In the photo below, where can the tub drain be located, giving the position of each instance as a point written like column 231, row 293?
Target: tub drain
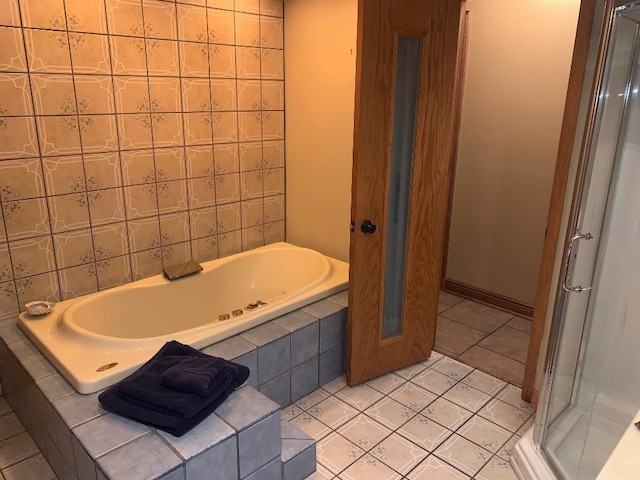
column 108, row 366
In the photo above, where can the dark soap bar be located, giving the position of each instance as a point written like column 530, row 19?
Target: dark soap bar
column 181, row 270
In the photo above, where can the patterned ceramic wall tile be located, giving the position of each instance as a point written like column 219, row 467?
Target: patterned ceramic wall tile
column 124, row 17
column 98, row 133
column 43, row 14
column 14, row 94
column 228, row 217
column 69, row 212
column 102, row 171
column 18, row 137
column 76, row 281
column 174, row 228
column 74, row 248
column 20, row 179
column 9, row 13
column 222, row 61
column 248, row 62
column 134, row 131
column 192, row 23
column 6, row 269
column 119, row 147
column 89, row 53
column 201, row 192
column 252, row 237
column 274, row 232
column 272, row 64
column 145, row 264
column 203, row 222
column 223, row 95
column 203, row 249
column 144, row 234
column 273, row 153
column 59, row 135
column 226, row 158
column 128, row 56
column 273, row 208
column 251, row 184
column 64, row 175
column 251, row 6
column 106, row 206
column 272, row 7
column 225, row 127
column 159, row 19
column 227, row 188
column 32, row 256
column 194, row 59
column 38, row 287
column 221, row 26
column 162, row 57
column 250, row 126
column 26, row 218
column 197, row 128
column 272, row 95
column 251, row 156
column 48, row 51
column 229, row 243
column 140, row 201
column 110, row 240
column 86, row 16
column 138, row 167
column 9, row 306
column 271, row 32
column 94, row 94
column 200, row 161
column 12, row 55
column 273, row 181
column 252, row 213
column 113, row 272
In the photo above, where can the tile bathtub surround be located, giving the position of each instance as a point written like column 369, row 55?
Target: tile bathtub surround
column 135, row 133
column 77, row 436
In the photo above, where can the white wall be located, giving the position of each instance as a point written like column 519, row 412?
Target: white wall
column 517, row 71
column 320, row 59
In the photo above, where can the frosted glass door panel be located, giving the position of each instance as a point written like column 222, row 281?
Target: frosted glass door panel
column 404, row 119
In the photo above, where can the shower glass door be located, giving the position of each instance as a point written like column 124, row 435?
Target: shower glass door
column 593, row 389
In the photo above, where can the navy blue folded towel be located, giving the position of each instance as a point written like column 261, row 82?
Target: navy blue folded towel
column 195, row 375
column 142, row 396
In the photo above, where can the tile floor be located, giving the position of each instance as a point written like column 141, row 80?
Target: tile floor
column 436, row 420
column 491, row 340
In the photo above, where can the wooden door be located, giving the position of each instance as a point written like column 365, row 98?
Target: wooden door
column 397, row 41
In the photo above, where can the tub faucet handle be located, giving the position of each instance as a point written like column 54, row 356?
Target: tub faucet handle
column 181, row 270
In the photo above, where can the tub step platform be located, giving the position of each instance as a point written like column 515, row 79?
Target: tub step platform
column 298, row 453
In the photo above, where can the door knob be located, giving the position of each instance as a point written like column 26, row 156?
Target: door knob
column 367, row 227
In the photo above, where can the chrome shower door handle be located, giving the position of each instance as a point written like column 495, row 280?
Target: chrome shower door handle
column 566, row 280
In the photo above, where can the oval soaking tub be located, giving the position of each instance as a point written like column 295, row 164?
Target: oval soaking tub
column 98, row 339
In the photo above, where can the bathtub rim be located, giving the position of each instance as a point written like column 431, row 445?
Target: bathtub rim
column 64, row 352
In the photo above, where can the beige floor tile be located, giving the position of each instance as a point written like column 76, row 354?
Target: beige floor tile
column 413, row 396
column 364, row 432
column 434, row 381
column 425, row 432
column 484, row 382
column 454, row 337
column 503, row 414
column 386, row 383
column 336, row 452
column 453, row 368
column 390, row 413
column 370, row 468
column 359, row 396
column 519, row 323
column 484, row 433
column 467, row 397
column 480, row 317
column 494, row 364
column 449, row 299
column 399, row 453
column 332, row 412
column 446, row 413
column 509, row 342
column 497, row 469
column 435, row 469
column 463, row 454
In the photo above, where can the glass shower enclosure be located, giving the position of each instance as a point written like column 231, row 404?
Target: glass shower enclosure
column 591, row 391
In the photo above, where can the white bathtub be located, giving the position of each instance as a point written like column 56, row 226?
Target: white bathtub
column 98, row 339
